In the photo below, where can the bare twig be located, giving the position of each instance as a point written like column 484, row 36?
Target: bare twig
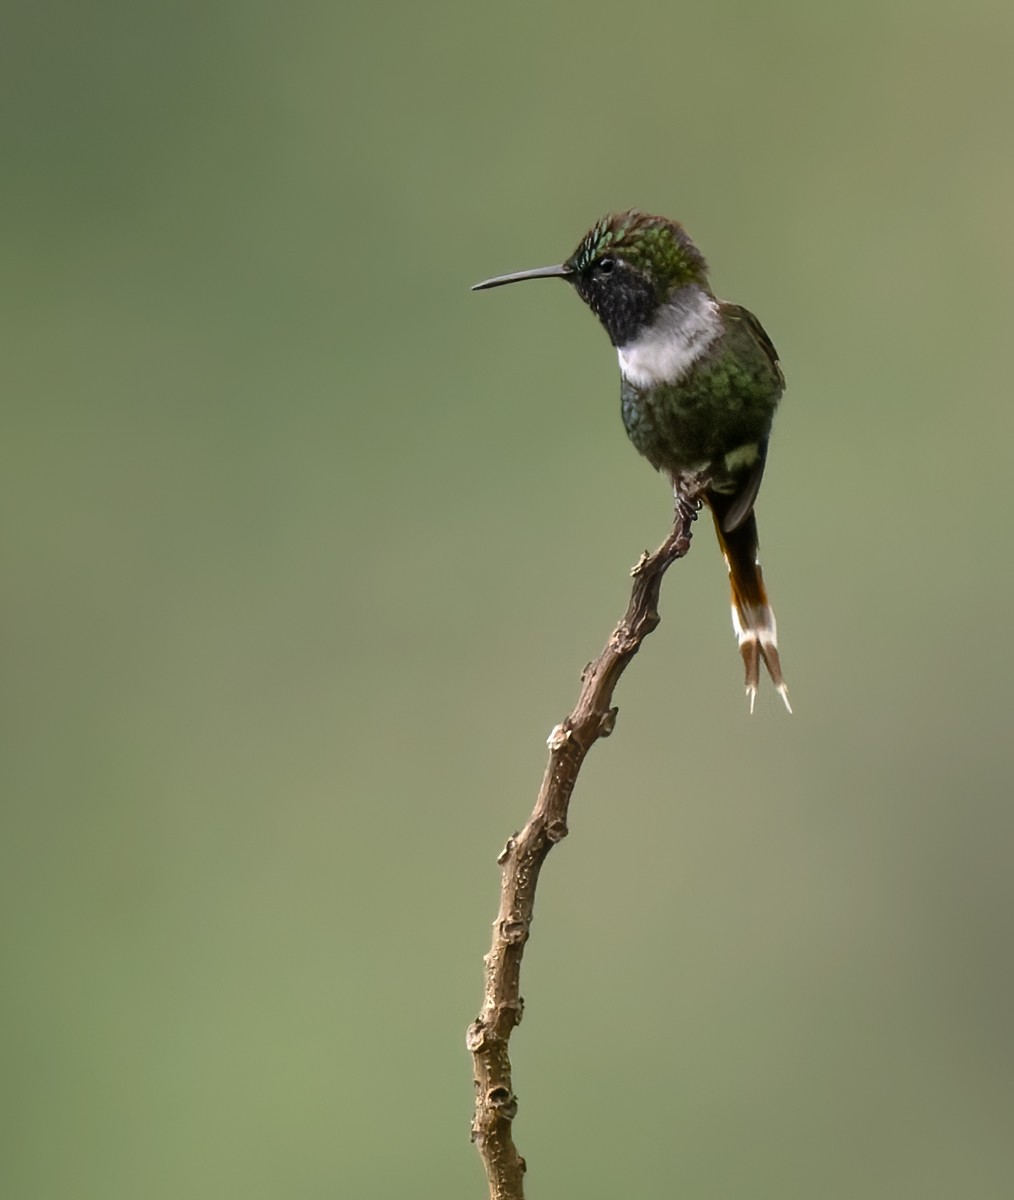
column 523, row 856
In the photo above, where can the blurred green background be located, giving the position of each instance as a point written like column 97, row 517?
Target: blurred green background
column 304, row 547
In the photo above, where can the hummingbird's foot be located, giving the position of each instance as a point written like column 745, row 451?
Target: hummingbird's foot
column 686, row 511
column 677, row 544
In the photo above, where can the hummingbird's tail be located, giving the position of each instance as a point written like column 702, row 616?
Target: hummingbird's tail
column 753, row 619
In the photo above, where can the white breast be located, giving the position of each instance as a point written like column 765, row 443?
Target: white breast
column 665, row 350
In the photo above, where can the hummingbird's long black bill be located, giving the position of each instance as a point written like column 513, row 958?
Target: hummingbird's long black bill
column 560, row 271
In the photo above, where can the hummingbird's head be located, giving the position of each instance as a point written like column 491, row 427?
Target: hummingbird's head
column 626, row 267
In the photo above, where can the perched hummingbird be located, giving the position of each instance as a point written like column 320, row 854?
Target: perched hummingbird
column 700, row 385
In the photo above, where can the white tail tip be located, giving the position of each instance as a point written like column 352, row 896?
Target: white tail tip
column 781, row 689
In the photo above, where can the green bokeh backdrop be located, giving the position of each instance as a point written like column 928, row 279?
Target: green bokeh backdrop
column 304, row 546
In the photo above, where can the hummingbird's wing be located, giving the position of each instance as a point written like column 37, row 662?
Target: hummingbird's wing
column 736, row 312
column 741, row 503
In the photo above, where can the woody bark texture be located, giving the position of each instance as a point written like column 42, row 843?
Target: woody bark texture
column 521, row 860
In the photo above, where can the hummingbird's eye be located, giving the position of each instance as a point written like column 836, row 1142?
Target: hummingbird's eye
column 605, row 265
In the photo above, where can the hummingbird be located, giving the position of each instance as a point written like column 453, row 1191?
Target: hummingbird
column 700, row 382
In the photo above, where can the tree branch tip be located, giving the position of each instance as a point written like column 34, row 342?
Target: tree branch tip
column 593, row 716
